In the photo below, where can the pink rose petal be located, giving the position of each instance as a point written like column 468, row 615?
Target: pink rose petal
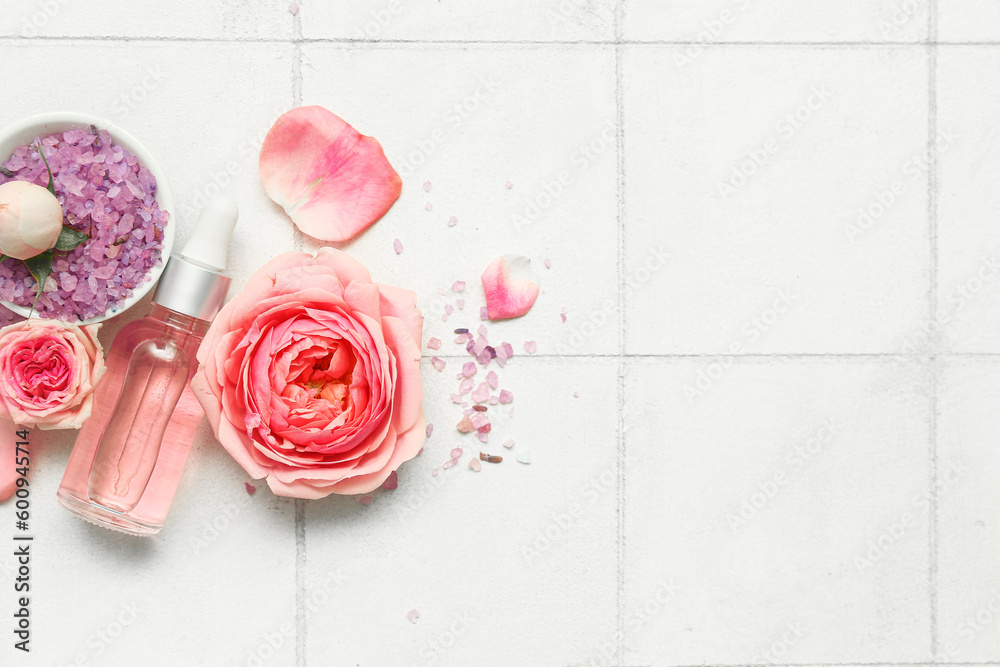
column 331, row 180
column 511, row 288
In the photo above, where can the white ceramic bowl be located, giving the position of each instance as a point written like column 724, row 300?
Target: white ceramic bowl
column 29, row 129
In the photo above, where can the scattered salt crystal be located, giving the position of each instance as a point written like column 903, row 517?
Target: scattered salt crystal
column 457, row 453
column 509, row 185
column 524, row 457
column 455, row 398
column 293, row 8
column 434, row 473
column 482, row 330
column 434, row 344
column 469, row 369
column 482, row 437
column 449, row 309
column 452, row 221
column 429, row 430
column 427, row 186
column 548, row 263
column 492, row 380
column 413, row 615
column 482, row 393
column 449, row 463
column 461, row 338
column 465, row 426
column 484, row 313
column 530, row 346
column 475, row 465
column 576, row 394
column 366, row 500
column 391, row 482
column 506, row 396
column 428, row 206
column 563, row 316
column 458, row 286
column 494, row 400
column 251, row 489
column 508, row 443
column 465, row 386
column 397, row 246
column 438, row 364
column 508, row 350
column 460, row 303
column 479, row 408
column 479, row 420
column 442, row 291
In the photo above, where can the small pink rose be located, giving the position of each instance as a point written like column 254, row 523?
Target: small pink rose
column 311, row 376
column 48, row 371
column 31, row 219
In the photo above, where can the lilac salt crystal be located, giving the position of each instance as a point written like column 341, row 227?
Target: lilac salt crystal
column 413, row 615
column 530, row 346
column 455, row 398
column 438, row 364
column 484, row 313
column 429, row 430
column 548, row 263
column 494, row 400
column 449, row 309
column 458, row 286
column 508, row 350
column 434, row 344
column 506, row 396
column 485, row 357
column 105, row 192
column 428, row 206
column 468, row 369
column 465, row 386
column 452, row 221
column 460, row 303
column 492, row 380
column 397, row 246
column 427, row 186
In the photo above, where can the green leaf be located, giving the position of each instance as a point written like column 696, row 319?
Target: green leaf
column 39, row 266
column 51, row 187
column 3, row 257
column 70, row 238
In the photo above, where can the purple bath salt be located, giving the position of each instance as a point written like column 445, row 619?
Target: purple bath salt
column 106, row 193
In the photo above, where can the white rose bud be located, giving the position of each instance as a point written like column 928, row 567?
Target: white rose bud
column 30, row 219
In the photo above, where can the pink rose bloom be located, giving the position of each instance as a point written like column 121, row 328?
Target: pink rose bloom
column 311, row 376
column 48, row 371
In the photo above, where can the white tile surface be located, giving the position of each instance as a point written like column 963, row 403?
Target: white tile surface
column 969, row 244
column 516, row 20
column 545, row 104
column 706, row 21
column 513, row 565
column 968, row 464
column 640, row 567
column 759, row 502
column 771, row 258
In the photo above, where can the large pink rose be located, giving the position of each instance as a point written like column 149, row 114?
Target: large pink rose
column 48, row 370
column 311, row 376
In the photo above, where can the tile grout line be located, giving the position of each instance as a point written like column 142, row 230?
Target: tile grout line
column 620, row 154
column 932, row 201
column 301, row 626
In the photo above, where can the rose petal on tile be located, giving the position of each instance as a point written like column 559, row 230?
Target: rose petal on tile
column 510, row 286
column 332, row 181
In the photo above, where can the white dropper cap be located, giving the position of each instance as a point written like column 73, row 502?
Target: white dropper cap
column 209, row 245
column 192, row 282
